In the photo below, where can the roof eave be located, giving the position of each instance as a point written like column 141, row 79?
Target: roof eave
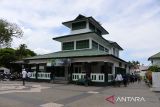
column 91, row 19
column 116, row 44
column 109, row 55
column 56, row 38
column 68, row 23
column 104, row 31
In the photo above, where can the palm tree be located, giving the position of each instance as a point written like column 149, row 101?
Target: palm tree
column 23, row 52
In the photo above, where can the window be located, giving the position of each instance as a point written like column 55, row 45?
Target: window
column 125, row 65
column 120, row 64
column 114, row 51
column 79, row 25
column 101, row 48
column 77, row 69
column 82, row 44
column 94, row 45
column 106, row 50
column 92, row 27
column 68, row 46
column 99, row 32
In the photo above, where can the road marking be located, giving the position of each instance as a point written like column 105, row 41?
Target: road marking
column 4, row 89
column 52, row 105
column 92, row 92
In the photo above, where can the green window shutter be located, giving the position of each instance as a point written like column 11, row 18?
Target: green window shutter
column 92, row 27
column 68, row 46
column 79, row 25
column 94, row 45
column 99, row 32
column 101, row 48
column 106, row 50
column 82, row 44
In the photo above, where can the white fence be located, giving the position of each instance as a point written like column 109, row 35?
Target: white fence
column 33, row 75
column 95, row 77
column 41, row 75
column 77, row 76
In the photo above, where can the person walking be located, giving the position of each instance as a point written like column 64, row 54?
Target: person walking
column 132, row 78
column 24, row 75
column 125, row 80
column 28, row 75
column 119, row 79
column 139, row 78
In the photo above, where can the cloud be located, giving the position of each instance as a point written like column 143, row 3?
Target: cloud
column 133, row 24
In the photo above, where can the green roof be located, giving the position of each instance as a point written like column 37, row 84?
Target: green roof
column 90, row 19
column 155, row 56
column 92, row 32
column 69, row 54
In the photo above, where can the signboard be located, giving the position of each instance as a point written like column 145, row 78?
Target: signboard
column 156, row 80
column 49, row 63
column 59, row 62
column 62, row 62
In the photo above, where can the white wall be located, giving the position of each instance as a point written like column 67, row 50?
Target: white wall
column 80, row 31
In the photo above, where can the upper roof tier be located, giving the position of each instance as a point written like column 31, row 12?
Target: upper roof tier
column 91, row 20
column 156, row 56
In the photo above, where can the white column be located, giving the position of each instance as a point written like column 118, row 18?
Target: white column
column 113, row 69
column 90, row 43
column 74, row 45
column 66, row 72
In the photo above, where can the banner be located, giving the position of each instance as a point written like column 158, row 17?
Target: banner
column 49, row 63
column 59, row 62
column 62, row 62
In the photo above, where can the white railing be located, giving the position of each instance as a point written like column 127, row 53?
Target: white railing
column 77, row 76
column 41, row 75
column 97, row 77
column 110, row 77
column 33, row 75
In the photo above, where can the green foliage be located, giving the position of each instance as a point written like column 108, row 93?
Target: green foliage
column 7, row 32
column 23, row 52
column 134, row 64
column 8, row 55
column 154, row 68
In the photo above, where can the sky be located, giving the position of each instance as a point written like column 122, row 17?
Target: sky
column 133, row 24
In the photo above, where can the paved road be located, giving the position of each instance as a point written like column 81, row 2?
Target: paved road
column 13, row 94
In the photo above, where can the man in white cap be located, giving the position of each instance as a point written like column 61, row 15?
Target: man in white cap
column 24, row 75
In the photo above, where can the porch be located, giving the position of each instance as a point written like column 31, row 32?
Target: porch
column 95, row 77
column 97, row 72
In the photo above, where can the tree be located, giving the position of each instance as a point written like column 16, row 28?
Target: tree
column 23, row 52
column 7, row 55
column 134, row 64
column 154, row 69
column 7, row 32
